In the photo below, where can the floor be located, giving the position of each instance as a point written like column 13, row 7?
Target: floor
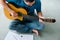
column 50, row 8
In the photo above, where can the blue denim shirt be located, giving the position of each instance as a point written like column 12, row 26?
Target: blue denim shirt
column 36, row 5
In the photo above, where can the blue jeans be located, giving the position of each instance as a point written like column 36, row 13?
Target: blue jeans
column 26, row 26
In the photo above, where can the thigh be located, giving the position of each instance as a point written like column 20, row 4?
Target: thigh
column 35, row 25
column 19, row 27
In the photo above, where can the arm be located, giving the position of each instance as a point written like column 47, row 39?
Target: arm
column 4, row 4
column 39, row 12
column 40, row 15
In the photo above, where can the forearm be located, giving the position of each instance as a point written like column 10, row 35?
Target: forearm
column 40, row 14
column 4, row 4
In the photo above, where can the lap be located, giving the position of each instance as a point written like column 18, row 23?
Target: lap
column 26, row 27
column 35, row 25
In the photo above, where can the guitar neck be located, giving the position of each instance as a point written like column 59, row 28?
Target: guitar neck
column 32, row 18
column 48, row 20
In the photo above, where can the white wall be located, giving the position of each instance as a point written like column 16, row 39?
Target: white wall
column 50, row 8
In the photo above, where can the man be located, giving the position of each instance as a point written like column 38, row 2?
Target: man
column 26, row 26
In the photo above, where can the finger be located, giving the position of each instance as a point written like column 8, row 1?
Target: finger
column 41, row 21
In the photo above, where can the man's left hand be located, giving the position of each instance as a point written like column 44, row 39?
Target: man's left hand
column 40, row 20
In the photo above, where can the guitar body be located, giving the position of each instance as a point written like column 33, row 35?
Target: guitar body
column 21, row 10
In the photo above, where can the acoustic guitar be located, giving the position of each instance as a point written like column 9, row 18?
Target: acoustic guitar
column 22, row 13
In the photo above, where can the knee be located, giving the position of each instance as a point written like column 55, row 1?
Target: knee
column 42, row 26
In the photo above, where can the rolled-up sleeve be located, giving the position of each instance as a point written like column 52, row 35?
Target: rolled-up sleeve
column 38, row 6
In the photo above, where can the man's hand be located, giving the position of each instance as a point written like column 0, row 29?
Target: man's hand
column 13, row 13
column 40, row 20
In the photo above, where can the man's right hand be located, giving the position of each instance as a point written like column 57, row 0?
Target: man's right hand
column 13, row 13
